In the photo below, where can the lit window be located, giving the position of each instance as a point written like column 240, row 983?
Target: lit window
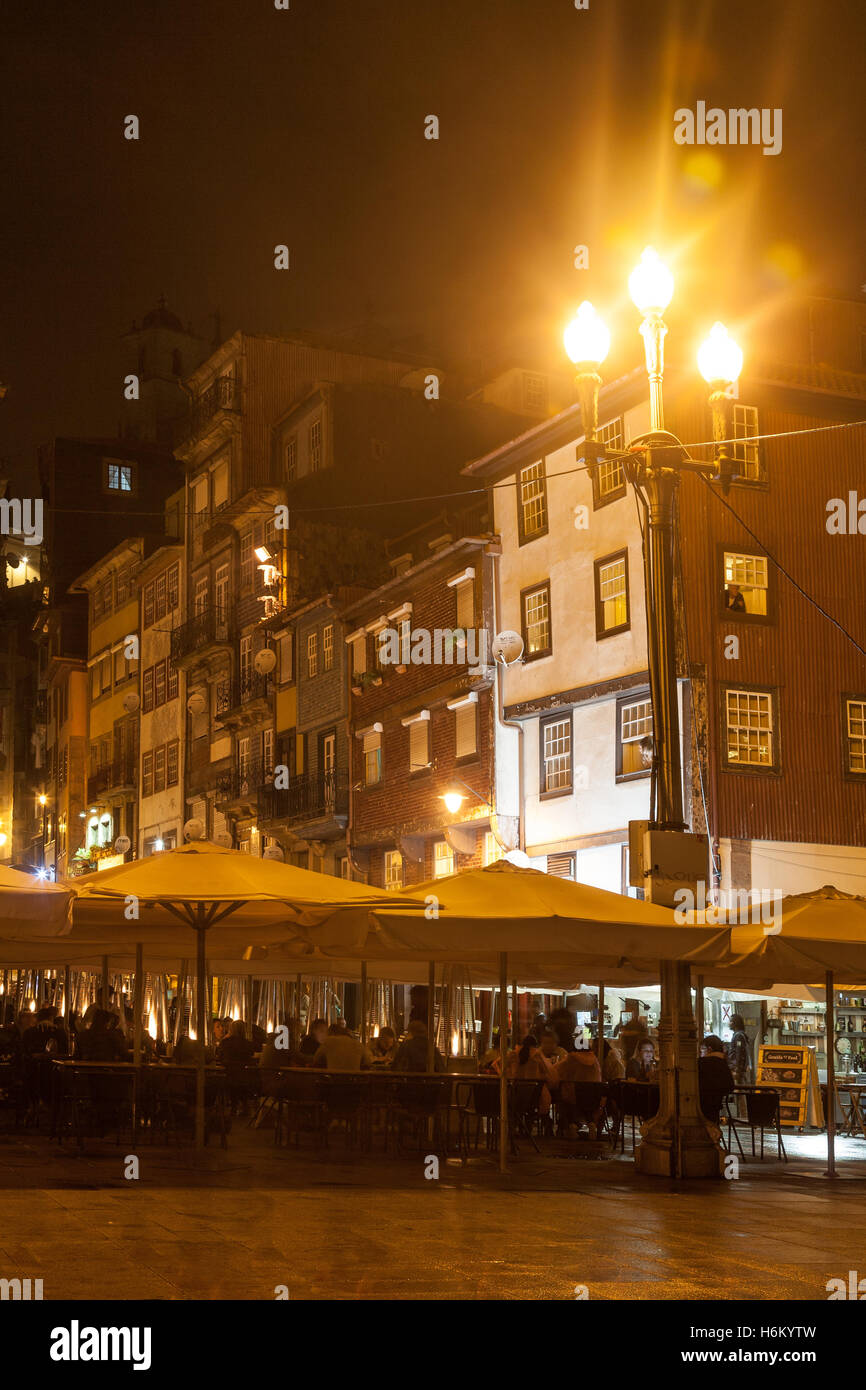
column 393, row 870
column 855, row 713
column 118, row 476
column 536, row 621
column 328, row 646
column 611, row 594
column 372, row 758
column 443, row 859
column 492, row 848
column 610, row 479
column 555, row 755
column 535, row 393
column 635, row 745
column 312, row 654
column 745, row 583
column 419, row 745
column 532, row 510
column 465, row 730
column 147, row 775
column 749, row 728
column 746, row 453
column 465, row 604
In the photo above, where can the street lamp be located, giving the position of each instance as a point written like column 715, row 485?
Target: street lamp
column 677, row 1143
column 43, row 802
column 587, row 342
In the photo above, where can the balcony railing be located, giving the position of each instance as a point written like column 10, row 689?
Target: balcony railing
column 240, row 784
column 310, row 797
column 242, row 690
column 211, row 625
column 123, row 772
column 224, row 394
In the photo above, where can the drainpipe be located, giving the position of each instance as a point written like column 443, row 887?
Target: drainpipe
column 499, row 707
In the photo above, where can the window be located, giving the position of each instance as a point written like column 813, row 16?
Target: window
column 746, row 454
column 286, row 651
column 611, row 594
column 466, row 604
column 268, row 750
column 159, row 769
column 159, row 684
column 201, row 595
column 123, row 586
column 147, row 775
column 359, row 654
column 173, row 587
column 855, row 731
column 555, row 749
column 312, row 654
column 172, row 751
column 745, row 583
column 634, row 742
column 121, row 667
column 328, row 646
column 749, row 729
column 117, row 476
column 465, row 730
column 535, row 393
column 221, row 592
column 291, row 459
column 561, row 865
column 372, row 758
column 443, row 859
column 247, row 559
column 493, row 851
column 160, row 591
column 315, row 446
column 105, row 597
column 532, row 502
column 221, row 485
column 419, row 745
column 393, row 870
column 536, row 622
column 199, row 491
column 609, row 481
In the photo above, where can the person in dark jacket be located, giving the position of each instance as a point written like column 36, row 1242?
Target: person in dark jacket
column 740, row 1052
column 412, row 1052
column 714, row 1077
column 315, row 1037
column 102, row 1041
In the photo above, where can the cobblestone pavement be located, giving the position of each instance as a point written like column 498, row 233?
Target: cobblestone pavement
column 344, row 1226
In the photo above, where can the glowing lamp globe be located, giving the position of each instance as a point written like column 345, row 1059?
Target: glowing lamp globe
column 453, row 802
column 719, row 357
column 587, row 338
column 651, row 284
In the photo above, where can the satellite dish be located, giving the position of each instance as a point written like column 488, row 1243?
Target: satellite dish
column 196, row 704
column 265, row 661
column 274, row 852
column 507, row 647
column 131, row 701
column 122, row 844
column 224, row 840
column 193, row 830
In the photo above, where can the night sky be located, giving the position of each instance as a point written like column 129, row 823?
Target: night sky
column 261, row 126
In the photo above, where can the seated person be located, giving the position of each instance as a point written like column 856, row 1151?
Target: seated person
column 715, row 1078
column 412, row 1053
column 578, row 1066
column 384, row 1048
column 341, row 1052
column 550, row 1046
column 612, row 1066
column 236, row 1050
column 528, row 1063
column 314, row 1038
column 642, row 1065
column 102, row 1041
column 734, row 599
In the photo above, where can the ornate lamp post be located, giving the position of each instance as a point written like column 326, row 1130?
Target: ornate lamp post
column 678, row 1142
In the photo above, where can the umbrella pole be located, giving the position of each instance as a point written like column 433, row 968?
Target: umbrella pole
column 514, row 1015
column 503, row 1080
column 699, row 1007
column 363, row 1001
column 104, row 989
column 137, row 1010
column 201, row 974
column 431, row 1016
column 831, row 1076
column 600, row 1029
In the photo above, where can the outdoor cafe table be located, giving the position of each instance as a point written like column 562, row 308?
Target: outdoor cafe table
column 139, row 1079
column 853, row 1116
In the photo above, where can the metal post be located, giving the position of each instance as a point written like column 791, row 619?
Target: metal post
column 601, row 1026
column 831, row 1075
column 104, row 986
column 137, row 1011
column 503, row 1080
column 363, row 1001
column 699, row 1007
column 515, row 1019
column 201, row 985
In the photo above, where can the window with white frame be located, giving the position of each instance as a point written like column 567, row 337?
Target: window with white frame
column 200, row 595
column 746, row 583
column 328, row 646
column 555, row 756
column 745, row 450
column 465, row 729
column 315, row 446
column 532, row 501
column 611, row 594
column 443, row 859
column 855, row 723
column 535, row 393
column 393, row 870
column 372, row 758
column 536, row 621
column 119, row 477
column 493, row 850
column 221, row 485
column 312, row 654
column 248, row 573
column 465, row 604
column 291, row 459
column 610, row 479
column 749, row 728
column 634, row 737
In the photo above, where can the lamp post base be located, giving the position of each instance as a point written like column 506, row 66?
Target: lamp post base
column 684, row 1150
